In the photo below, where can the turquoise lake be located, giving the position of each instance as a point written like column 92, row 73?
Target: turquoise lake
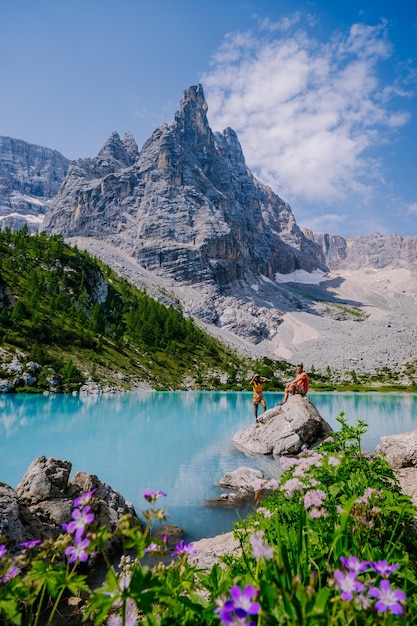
column 178, row 442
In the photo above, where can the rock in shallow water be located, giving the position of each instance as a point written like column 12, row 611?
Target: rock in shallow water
column 284, row 429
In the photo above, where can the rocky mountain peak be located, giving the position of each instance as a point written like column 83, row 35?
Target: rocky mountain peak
column 30, row 176
column 118, row 153
column 374, row 251
column 187, row 207
column 130, row 145
column 192, row 110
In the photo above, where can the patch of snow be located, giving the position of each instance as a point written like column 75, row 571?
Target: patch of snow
column 255, row 287
column 30, row 199
column 266, row 279
column 302, row 276
column 34, row 219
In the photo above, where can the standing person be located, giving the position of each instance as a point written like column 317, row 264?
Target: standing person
column 298, row 385
column 257, row 382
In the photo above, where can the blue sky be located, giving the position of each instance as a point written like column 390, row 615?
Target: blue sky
column 322, row 94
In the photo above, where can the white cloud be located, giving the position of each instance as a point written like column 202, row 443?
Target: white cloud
column 309, row 114
column 411, row 208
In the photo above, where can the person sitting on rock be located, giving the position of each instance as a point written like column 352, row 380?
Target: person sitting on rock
column 298, row 385
column 257, row 382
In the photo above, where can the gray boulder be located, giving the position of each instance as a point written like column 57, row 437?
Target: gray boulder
column 400, row 450
column 11, row 526
column 13, row 368
column 210, row 551
column 241, row 478
column 46, row 479
column 284, row 429
column 43, row 502
column 6, row 386
column 29, row 380
column 401, row 453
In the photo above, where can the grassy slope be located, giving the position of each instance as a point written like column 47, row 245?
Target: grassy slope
column 62, row 308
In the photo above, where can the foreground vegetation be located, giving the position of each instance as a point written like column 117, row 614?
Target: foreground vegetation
column 333, row 543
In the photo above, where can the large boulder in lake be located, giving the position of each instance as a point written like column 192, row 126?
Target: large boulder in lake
column 285, row 429
column 43, row 502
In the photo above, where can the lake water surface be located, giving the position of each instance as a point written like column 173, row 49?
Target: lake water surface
column 179, row 442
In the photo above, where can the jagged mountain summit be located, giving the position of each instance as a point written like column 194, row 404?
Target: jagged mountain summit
column 373, row 251
column 185, row 207
column 186, row 219
column 30, row 177
column 188, row 210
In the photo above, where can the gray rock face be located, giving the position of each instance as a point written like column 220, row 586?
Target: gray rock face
column 284, row 430
column 401, row 453
column 399, row 450
column 241, row 478
column 30, row 176
column 210, row 551
column 10, row 523
column 186, row 206
column 374, row 251
column 43, row 502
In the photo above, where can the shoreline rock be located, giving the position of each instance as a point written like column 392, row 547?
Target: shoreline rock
column 284, row 429
column 43, row 501
column 400, row 451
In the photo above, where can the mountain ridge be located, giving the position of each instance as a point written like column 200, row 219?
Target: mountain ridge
column 30, row 177
column 191, row 216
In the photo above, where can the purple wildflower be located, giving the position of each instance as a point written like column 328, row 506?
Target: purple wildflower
column 333, row 460
column 10, row 574
column 353, row 564
column 292, row 486
column 30, row 544
column 81, row 518
column 243, row 599
column 314, row 497
column 258, row 484
column 235, row 610
column 347, row 583
column 3, row 550
column 383, row 568
column 259, row 549
column 316, row 513
column 78, row 552
column 265, row 512
column 287, row 463
column 84, row 498
column 388, row 599
column 183, row 548
column 272, row 484
column 153, row 547
column 152, row 496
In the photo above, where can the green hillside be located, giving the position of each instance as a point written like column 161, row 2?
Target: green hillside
column 64, row 310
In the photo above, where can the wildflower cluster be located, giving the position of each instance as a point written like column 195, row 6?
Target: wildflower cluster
column 355, row 587
column 330, row 498
column 82, row 517
column 303, row 483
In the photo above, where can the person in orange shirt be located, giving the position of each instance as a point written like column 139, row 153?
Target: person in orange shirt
column 258, row 399
column 298, row 385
